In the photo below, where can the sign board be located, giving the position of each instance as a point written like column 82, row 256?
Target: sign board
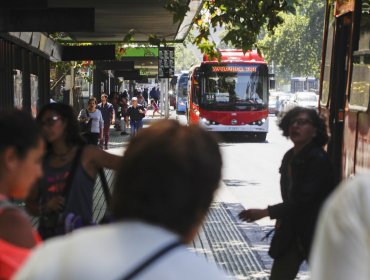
column 236, row 69
column 138, row 52
column 166, row 62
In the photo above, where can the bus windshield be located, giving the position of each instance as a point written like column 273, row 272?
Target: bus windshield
column 234, row 86
column 182, row 85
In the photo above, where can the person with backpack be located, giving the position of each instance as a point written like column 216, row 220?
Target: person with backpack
column 91, row 122
column 154, row 221
column 70, row 169
column 21, row 152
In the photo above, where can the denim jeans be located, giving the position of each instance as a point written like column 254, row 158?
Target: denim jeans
column 135, row 126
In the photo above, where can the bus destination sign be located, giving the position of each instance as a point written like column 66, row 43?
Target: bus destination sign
column 166, row 62
column 244, row 69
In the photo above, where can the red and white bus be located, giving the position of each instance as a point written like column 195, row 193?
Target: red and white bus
column 231, row 95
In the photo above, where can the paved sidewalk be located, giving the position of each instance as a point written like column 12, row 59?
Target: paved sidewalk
column 236, row 247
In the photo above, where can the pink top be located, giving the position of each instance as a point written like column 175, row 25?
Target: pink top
column 11, row 256
column 155, row 106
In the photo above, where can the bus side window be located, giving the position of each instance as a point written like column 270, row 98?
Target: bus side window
column 196, row 87
column 360, row 85
column 196, row 93
column 324, row 99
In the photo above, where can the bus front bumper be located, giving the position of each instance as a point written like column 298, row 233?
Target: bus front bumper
column 236, row 128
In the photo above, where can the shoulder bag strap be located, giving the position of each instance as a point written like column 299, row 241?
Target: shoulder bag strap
column 69, row 180
column 5, row 204
column 156, row 256
column 105, row 187
column 87, row 113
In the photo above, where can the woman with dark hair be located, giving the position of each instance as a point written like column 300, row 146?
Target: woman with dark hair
column 93, row 116
column 154, row 221
column 51, row 198
column 306, row 181
column 21, row 151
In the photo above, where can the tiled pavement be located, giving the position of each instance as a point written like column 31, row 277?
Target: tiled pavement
column 234, row 246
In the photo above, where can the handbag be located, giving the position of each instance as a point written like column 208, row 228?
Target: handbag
column 85, row 126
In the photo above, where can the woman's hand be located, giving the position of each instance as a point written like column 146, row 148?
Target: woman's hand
column 56, row 203
column 252, row 215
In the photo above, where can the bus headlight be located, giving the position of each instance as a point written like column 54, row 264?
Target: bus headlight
column 205, row 121
column 260, row 122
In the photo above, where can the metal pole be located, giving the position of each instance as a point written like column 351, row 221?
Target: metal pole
column 167, row 104
column 109, row 73
column 72, row 86
column 162, row 94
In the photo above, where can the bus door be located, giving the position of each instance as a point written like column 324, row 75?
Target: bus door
column 335, row 79
column 359, row 98
column 194, row 94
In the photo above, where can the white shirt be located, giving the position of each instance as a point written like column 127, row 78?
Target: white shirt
column 111, row 252
column 341, row 249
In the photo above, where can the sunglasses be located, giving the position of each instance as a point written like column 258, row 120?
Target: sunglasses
column 50, row 121
column 300, row 122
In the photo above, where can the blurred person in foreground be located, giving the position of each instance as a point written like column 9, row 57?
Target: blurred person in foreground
column 21, row 152
column 156, row 217
column 49, row 199
column 306, row 181
column 341, row 249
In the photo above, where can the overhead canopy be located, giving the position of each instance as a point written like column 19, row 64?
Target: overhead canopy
column 115, row 18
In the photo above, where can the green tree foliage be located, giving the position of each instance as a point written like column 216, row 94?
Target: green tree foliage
column 184, row 58
column 243, row 20
column 295, row 46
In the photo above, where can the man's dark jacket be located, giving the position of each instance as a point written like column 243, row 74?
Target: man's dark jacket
column 134, row 113
column 311, row 182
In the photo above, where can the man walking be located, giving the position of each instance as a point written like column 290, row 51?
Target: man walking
column 107, row 112
column 136, row 112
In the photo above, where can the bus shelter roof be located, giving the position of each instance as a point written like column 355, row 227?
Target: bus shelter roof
column 115, row 18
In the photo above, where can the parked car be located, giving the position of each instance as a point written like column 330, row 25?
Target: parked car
column 272, row 102
column 277, row 100
column 283, row 99
column 305, row 99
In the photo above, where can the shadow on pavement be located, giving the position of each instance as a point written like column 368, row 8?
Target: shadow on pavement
column 231, row 138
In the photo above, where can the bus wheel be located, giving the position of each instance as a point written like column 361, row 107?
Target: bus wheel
column 261, row 137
